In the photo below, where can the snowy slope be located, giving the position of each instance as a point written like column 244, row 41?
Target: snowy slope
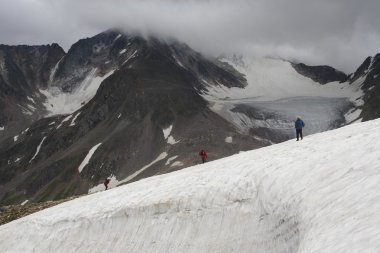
column 59, row 102
column 318, row 195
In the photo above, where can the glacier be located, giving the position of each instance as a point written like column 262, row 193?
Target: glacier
column 276, row 94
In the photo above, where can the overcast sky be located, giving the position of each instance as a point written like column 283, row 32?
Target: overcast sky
column 340, row 33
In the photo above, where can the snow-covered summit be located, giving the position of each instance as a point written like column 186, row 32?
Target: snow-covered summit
column 317, row 195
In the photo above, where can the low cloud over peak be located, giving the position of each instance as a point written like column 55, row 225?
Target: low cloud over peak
column 335, row 32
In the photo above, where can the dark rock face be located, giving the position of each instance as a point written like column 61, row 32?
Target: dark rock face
column 154, row 85
column 361, row 71
column 23, row 71
column 366, row 77
column 320, row 74
column 370, row 71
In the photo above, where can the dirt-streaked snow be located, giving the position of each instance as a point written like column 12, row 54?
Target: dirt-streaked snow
column 317, row 195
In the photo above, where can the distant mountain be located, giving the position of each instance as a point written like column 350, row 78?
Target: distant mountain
column 320, row 74
column 366, row 79
column 369, row 75
column 23, row 71
column 123, row 107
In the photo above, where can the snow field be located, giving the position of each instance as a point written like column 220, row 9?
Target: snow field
column 67, row 103
column 317, row 195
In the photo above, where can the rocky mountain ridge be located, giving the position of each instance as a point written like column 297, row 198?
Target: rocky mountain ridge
column 146, row 88
column 121, row 106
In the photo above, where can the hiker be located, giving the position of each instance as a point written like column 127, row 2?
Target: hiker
column 203, row 155
column 106, row 182
column 299, row 124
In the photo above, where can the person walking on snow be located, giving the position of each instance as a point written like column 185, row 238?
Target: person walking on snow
column 106, row 182
column 203, row 155
column 299, row 124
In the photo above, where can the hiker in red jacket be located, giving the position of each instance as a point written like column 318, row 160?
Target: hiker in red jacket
column 106, row 182
column 203, row 155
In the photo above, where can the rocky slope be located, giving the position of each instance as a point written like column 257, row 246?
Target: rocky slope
column 23, row 71
column 320, row 74
column 145, row 116
column 122, row 106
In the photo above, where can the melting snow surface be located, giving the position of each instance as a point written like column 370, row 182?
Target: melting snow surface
column 88, row 157
column 38, row 149
column 317, row 195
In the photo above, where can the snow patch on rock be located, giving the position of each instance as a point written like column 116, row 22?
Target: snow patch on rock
column 177, row 164
column 59, row 102
column 74, row 119
column 38, row 149
column 167, row 131
column 64, row 120
column 170, row 160
column 115, row 182
column 228, row 139
column 86, row 160
column 24, row 202
column 171, row 140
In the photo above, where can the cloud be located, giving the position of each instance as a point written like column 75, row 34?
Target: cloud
column 335, row 32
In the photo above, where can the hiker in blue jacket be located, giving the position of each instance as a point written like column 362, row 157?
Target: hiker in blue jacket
column 299, row 124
